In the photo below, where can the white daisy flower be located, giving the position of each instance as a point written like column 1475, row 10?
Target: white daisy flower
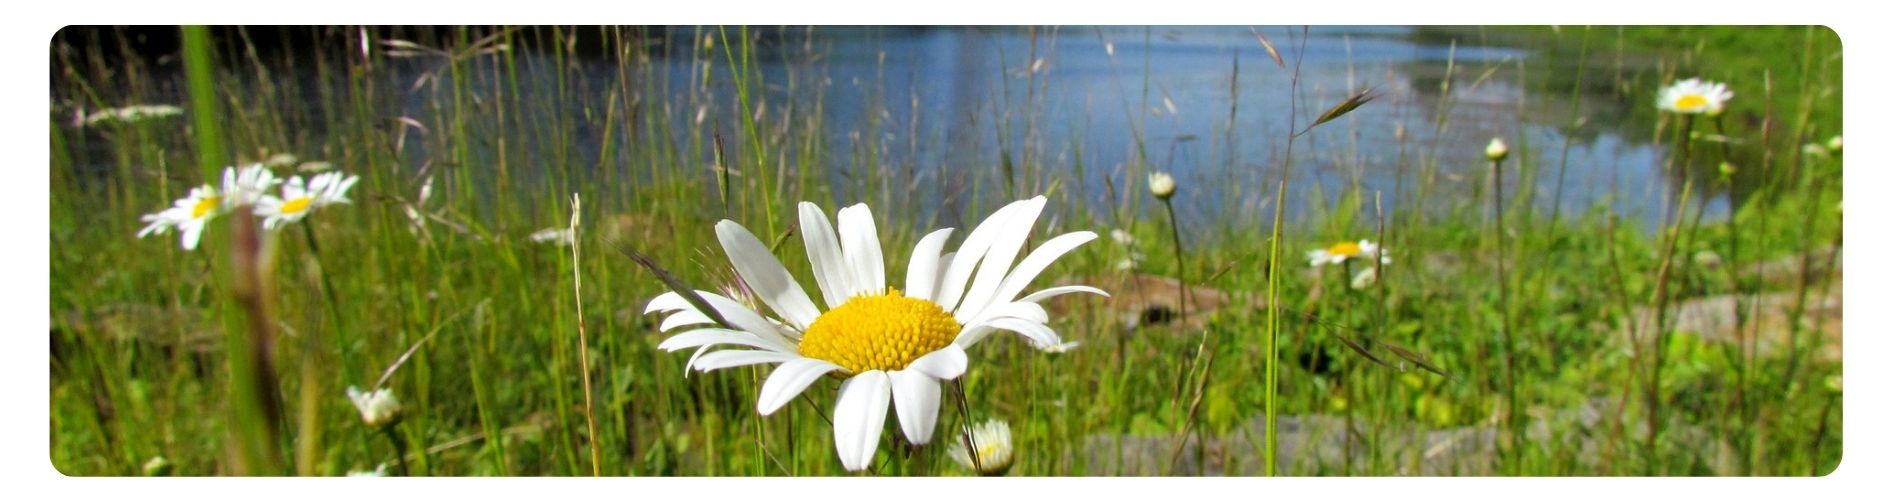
column 298, row 200
column 891, row 344
column 188, row 215
column 128, row 114
column 378, row 407
column 994, row 442
column 1345, row 250
column 246, row 186
column 1694, row 96
column 1122, row 237
column 1059, row 348
column 555, row 235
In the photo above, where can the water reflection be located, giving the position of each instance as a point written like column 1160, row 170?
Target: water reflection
column 955, row 109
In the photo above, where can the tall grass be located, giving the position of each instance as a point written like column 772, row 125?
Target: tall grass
column 504, row 374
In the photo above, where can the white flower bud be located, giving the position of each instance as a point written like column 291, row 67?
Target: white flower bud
column 378, row 407
column 1496, row 151
column 1162, row 185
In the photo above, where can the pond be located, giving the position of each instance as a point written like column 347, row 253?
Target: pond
column 1076, row 106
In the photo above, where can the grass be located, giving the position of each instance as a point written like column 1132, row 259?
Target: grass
column 499, row 375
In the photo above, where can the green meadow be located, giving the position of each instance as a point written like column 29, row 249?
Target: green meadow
column 1669, row 307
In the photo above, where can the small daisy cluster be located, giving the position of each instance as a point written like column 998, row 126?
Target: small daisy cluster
column 125, row 115
column 249, row 186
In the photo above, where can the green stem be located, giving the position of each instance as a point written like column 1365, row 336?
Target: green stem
column 400, row 448
column 1274, row 328
column 1504, row 323
column 331, row 304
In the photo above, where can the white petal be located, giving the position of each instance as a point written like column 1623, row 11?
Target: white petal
column 1058, row 291
column 916, row 402
column 788, row 381
column 192, row 234
column 923, row 267
column 765, row 275
column 1037, row 332
column 687, row 317
column 710, row 336
column 668, row 301
column 723, row 359
column 693, row 358
column 1029, row 311
column 945, row 261
column 945, row 363
column 998, row 261
column 860, row 245
column 824, row 254
column 1036, row 262
column 959, row 270
column 734, row 312
column 859, row 414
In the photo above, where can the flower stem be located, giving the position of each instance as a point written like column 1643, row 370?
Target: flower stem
column 965, row 424
column 400, row 448
column 342, row 338
column 1274, row 328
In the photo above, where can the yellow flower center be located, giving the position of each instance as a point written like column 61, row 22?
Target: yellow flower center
column 987, row 452
column 878, row 332
column 295, row 206
column 204, row 207
column 1344, row 249
column 1691, row 102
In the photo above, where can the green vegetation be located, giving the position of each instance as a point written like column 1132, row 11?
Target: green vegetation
column 482, row 325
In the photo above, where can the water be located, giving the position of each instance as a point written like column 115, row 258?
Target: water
column 1056, row 94
column 1208, row 104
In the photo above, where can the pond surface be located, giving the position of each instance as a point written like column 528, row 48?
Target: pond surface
column 1049, row 98
column 1076, row 106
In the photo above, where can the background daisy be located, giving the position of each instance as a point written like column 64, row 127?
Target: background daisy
column 1694, row 96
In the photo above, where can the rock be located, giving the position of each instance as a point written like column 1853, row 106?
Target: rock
column 1786, row 270
column 1316, row 445
column 1139, row 300
column 1713, row 319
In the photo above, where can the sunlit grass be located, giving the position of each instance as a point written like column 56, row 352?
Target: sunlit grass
column 456, row 265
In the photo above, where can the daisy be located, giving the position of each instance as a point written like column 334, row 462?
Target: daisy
column 555, row 235
column 1694, row 96
column 890, row 344
column 246, row 186
column 1059, row 348
column 298, row 200
column 1345, row 250
column 994, row 442
column 378, row 407
column 188, row 215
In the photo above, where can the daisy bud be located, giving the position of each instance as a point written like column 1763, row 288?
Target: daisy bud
column 1162, row 185
column 378, row 408
column 1366, row 278
column 1833, row 144
column 1726, row 168
column 1496, row 151
column 994, row 442
column 1815, row 150
column 158, row 467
